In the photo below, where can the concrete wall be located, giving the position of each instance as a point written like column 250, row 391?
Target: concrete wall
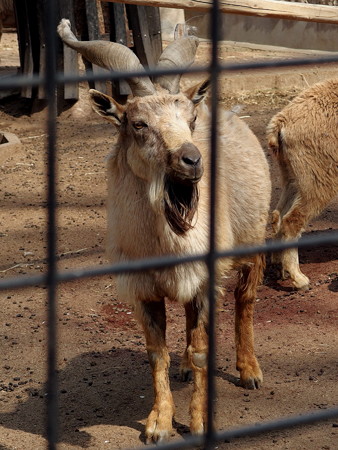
column 260, row 30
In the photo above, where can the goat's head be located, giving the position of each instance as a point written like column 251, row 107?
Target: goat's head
column 156, row 125
column 157, row 134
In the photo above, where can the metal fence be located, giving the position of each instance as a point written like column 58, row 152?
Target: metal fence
column 50, row 80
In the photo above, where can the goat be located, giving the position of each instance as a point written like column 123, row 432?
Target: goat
column 158, row 204
column 304, row 138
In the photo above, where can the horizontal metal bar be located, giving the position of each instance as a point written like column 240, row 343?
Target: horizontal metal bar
column 169, row 261
column 256, row 429
column 20, row 81
column 280, row 424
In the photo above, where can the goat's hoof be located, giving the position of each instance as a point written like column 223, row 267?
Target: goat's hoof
column 186, row 374
column 251, row 378
column 185, row 368
column 158, row 428
column 251, row 383
column 301, row 282
column 197, row 427
column 157, row 437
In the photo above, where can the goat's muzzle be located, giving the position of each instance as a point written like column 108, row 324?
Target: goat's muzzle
column 186, row 164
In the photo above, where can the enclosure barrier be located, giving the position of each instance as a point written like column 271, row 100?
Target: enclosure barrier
column 53, row 277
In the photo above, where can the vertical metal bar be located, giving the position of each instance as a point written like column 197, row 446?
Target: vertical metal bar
column 214, row 26
column 50, row 87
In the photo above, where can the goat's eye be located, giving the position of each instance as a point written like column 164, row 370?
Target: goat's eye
column 139, row 125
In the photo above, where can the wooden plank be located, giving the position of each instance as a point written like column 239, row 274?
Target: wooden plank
column 118, row 33
column 69, row 62
column 139, row 18
column 32, row 24
column 93, row 34
column 264, row 8
column 70, row 65
column 139, row 25
column 25, row 48
column 20, row 14
column 41, row 42
column 154, row 24
column 92, row 20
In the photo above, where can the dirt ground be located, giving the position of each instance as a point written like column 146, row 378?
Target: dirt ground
column 105, row 384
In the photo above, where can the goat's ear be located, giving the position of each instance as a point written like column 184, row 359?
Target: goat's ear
column 197, row 93
column 107, row 107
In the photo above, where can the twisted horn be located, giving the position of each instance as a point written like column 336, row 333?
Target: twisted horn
column 179, row 53
column 109, row 55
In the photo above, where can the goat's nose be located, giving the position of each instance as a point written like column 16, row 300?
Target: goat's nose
column 191, row 160
column 187, row 162
column 190, row 155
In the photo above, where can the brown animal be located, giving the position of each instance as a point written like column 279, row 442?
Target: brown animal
column 304, row 139
column 158, row 204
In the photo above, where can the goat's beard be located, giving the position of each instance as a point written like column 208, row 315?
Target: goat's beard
column 180, row 204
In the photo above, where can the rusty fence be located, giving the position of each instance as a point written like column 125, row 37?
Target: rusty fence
column 52, row 278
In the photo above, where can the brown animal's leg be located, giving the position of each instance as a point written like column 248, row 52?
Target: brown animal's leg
column 185, row 367
column 285, row 201
column 292, row 225
column 275, row 225
column 245, row 294
column 153, row 319
column 197, row 352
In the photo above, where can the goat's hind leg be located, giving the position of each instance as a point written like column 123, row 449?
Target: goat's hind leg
column 292, row 225
column 288, row 220
column 285, row 201
column 153, row 319
column 250, row 277
column 190, row 318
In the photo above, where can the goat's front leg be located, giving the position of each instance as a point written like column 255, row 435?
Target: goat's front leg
column 197, row 356
column 153, row 319
column 245, row 294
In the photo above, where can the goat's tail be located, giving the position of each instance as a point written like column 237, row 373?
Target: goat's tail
column 274, row 134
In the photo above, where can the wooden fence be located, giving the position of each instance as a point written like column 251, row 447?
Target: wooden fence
column 142, row 18
column 262, row 8
column 143, row 22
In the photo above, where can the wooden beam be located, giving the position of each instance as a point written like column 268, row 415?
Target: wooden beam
column 118, row 33
column 92, row 24
column 263, row 8
column 146, row 27
column 68, row 62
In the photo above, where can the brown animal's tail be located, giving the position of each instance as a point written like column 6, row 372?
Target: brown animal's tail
column 274, row 135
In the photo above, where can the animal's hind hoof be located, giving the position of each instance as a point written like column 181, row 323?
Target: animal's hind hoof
column 186, row 374
column 301, row 283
